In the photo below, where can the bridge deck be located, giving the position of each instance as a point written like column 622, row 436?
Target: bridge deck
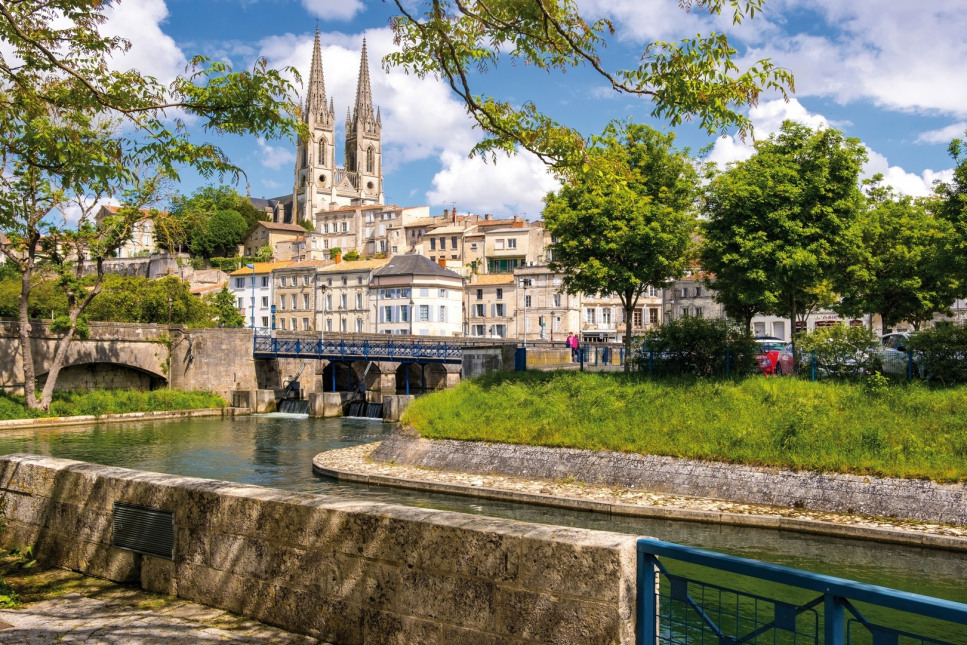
column 362, row 350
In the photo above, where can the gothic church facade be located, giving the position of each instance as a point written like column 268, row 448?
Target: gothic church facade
column 321, row 185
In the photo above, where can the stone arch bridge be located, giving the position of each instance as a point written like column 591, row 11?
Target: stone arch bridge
column 143, row 356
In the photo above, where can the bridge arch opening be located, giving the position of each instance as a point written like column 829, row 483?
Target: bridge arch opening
column 104, row 376
column 338, row 377
column 419, row 378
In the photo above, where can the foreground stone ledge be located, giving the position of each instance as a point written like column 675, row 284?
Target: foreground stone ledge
column 885, row 497
column 345, row 571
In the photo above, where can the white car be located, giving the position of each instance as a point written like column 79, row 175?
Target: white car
column 894, row 355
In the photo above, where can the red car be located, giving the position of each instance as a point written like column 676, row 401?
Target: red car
column 769, row 348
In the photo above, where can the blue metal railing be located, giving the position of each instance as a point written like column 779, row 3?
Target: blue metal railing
column 696, row 611
column 366, row 349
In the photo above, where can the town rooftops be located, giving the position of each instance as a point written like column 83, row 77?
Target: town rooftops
column 355, row 265
column 261, row 267
column 414, row 265
column 307, row 264
column 275, row 226
column 492, row 278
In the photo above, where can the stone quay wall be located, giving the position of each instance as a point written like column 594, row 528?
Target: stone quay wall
column 341, row 570
column 888, row 497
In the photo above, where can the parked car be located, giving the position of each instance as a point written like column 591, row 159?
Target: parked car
column 769, row 348
column 894, row 356
column 784, row 362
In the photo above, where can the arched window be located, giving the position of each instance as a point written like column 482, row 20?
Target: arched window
column 370, row 159
column 322, row 151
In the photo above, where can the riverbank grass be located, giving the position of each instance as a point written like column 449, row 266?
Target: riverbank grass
column 908, row 431
column 101, row 402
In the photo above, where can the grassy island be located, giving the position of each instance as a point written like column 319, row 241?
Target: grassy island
column 101, row 402
column 910, row 431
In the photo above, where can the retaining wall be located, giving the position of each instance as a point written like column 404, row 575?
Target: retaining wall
column 903, row 498
column 341, row 570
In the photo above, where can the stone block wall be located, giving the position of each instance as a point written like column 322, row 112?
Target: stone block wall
column 218, row 360
column 840, row 493
column 340, row 570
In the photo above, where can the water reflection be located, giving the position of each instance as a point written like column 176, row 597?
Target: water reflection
column 277, row 451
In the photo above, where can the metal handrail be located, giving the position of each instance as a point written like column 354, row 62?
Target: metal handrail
column 838, row 594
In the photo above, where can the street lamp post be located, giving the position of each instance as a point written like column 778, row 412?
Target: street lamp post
column 523, row 286
column 252, row 267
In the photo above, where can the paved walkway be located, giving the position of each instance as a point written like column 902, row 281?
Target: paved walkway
column 104, row 613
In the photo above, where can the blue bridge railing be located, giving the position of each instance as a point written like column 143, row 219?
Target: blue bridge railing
column 349, row 350
column 681, row 610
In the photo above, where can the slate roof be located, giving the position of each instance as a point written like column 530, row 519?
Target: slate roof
column 415, row 265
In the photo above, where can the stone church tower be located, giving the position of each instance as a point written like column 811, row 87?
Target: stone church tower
column 320, row 185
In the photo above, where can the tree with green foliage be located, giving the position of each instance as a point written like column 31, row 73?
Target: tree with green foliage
column 901, row 273
column 226, row 312
column 212, row 222
column 352, row 256
column 780, row 227
column 140, row 300
column 952, row 207
column 691, row 79
column 624, row 222
column 75, row 131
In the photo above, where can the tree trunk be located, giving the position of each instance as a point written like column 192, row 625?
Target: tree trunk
column 629, row 311
column 23, row 330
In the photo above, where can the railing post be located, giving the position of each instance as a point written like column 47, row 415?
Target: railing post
column 646, row 629
column 834, row 617
column 812, row 365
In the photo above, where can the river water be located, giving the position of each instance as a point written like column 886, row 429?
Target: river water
column 277, row 451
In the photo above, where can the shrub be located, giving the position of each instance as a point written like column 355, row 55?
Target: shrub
column 840, row 350
column 942, row 353
column 699, row 346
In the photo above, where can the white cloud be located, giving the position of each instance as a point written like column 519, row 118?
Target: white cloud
column 333, row 9
column 943, row 135
column 767, row 118
column 906, row 183
column 898, row 54
column 512, row 185
column 275, row 157
column 152, row 52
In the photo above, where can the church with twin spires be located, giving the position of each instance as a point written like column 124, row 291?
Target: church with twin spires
column 321, row 185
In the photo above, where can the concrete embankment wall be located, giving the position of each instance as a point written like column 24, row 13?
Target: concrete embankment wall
column 341, row 570
column 902, row 498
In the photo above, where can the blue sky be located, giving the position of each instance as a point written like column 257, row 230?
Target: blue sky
column 889, row 72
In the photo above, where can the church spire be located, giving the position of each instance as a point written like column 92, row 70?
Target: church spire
column 364, row 93
column 316, row 102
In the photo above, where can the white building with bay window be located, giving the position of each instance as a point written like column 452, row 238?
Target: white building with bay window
column 417, row 297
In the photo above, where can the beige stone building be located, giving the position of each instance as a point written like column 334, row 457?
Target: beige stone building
column 252, row 287
column 547, row 313
column 491, row 306
column 348, row 304
column 297, row 295
column 141, row 241
column 271, row 234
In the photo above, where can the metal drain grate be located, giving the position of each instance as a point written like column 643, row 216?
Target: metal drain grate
column 150, row 531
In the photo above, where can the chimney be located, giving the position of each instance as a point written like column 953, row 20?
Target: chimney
column 488, row 217
column 446, row 213
column 442, row 262
column 338, row 258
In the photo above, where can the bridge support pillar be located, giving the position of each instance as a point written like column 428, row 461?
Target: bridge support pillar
column 453, row 375
column 387, row 377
